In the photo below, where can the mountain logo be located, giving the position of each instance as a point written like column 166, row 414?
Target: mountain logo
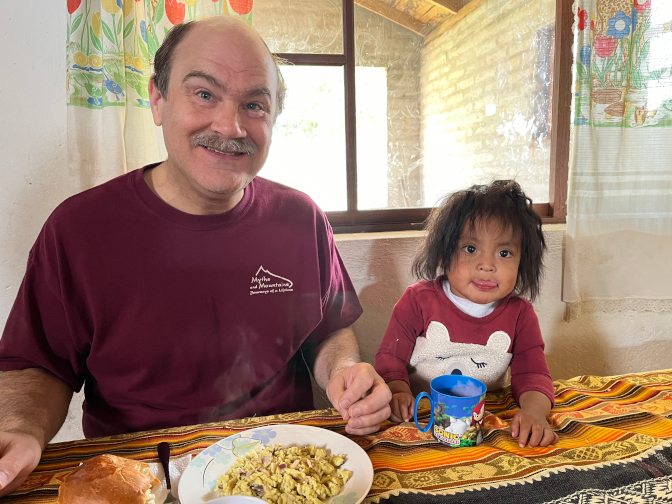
column 265, row 282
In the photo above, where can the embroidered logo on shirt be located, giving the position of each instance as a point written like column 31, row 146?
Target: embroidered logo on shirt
column 265, row 282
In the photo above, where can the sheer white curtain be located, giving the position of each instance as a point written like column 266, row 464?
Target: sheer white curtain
column 619, row 222
column 110, row 51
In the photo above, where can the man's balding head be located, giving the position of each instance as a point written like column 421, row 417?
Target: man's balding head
column 163, row 60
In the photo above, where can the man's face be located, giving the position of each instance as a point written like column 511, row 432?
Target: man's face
column 218, row 114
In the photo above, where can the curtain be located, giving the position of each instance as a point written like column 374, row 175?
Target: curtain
column 110, row 51
column 619, row 211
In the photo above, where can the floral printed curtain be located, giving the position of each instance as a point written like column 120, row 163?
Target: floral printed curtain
column 619, row 222
column 110, row 52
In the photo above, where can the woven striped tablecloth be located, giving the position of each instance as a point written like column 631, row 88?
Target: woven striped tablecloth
column 600, row 421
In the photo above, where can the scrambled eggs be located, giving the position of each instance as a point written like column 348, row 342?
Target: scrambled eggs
column 285, row 475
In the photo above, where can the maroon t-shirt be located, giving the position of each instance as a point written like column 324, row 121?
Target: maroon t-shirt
column 175, row 319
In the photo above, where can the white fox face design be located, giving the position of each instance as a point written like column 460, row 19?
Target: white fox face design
column 435, row 355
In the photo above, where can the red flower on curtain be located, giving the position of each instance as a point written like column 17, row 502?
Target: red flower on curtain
column 73, row 5
column 641, row 5
column 583, row 18
column 242, row 6
column 175, row 11
column 604, row 46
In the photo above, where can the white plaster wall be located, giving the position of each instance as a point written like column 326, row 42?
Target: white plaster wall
column 33, row 158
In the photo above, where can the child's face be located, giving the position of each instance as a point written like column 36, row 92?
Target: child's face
column 485, row 266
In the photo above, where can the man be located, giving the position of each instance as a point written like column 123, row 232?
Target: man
column 188, row 291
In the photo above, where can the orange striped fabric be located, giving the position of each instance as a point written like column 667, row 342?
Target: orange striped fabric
column 598, row 419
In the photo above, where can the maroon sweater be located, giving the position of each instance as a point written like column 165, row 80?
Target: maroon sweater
column 425, row 302
column 174, row 319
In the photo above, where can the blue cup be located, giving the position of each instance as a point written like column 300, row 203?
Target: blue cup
column 458, row 408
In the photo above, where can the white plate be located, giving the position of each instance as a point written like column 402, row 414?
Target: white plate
column 199, row 478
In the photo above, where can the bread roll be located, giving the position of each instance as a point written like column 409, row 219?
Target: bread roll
column 108, row 479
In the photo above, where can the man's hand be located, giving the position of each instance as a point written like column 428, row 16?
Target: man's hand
column 361, row 397
column 402, row 401
column 33, row 405
column 530, row 421
column 353, row 387
column 19, row 455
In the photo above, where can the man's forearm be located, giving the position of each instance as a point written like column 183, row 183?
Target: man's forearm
column 34, row 402
column 338, row 351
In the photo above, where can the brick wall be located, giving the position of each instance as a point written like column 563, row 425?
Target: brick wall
column 482, row 86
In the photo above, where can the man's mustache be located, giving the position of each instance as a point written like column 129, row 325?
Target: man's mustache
column 237, row 145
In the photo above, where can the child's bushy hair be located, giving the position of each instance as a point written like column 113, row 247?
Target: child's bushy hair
column 502, row 200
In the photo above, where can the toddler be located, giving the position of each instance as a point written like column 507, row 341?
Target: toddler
column 486, row 245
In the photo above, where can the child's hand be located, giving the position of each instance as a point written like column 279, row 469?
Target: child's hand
column 530, row 422
column 402, row 401
column 402, row 407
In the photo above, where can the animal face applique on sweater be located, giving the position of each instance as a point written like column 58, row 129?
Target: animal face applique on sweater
column 435, row 355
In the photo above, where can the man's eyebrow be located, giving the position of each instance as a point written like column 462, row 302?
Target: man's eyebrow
column 261, row 90
column 250, row 93
column 200, row 74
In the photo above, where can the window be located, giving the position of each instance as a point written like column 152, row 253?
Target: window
column 312, row 125
column 393, row 104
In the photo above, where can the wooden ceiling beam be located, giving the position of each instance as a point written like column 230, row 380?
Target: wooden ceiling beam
column 452, row 6
column 402, row 19
column 453, row 20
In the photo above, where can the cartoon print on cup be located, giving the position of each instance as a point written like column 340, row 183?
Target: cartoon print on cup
column 458, row 408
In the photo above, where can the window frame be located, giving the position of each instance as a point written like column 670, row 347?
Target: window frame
column 353, row 220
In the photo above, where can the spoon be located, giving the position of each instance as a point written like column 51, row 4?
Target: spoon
column 164, row 456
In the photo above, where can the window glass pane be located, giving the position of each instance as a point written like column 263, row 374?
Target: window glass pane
column 486, row 99
column 468, row 99
column 371, row 99
column 387, row 84
column 301, row 26
column 308, row 149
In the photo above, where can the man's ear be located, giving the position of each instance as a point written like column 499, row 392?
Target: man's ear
column 156, row 101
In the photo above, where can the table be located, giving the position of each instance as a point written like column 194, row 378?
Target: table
column 615, row 438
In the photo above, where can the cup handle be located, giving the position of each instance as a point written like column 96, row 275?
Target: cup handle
column 415, row 411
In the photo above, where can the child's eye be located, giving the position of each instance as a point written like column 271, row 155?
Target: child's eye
column 505, row 253
column 469, row 249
